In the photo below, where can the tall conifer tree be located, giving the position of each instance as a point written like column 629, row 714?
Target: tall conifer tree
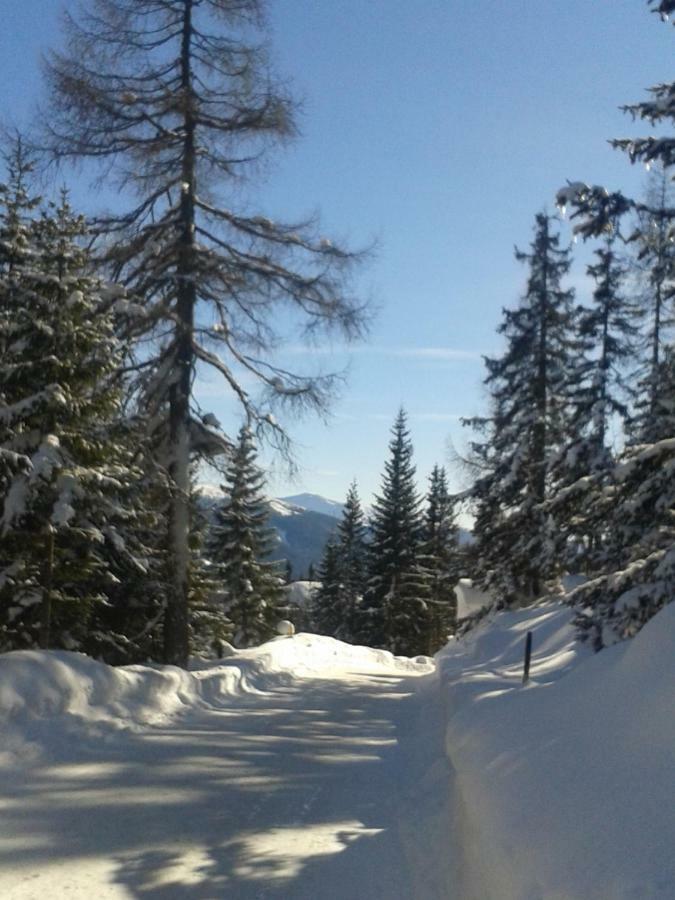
column 328, row 612
column 241, row 541
column 353, row 551
column 654, row 266
column 338, row 601
column 529, row 414
column 598, row 396
column 638, row 575
column 177, row 98
column 440, row 559
column 395, row 609
column 66, row 473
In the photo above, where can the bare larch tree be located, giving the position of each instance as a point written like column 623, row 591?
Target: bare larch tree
column 176, row 98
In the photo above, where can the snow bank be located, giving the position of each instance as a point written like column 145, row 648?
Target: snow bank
column 48, row 697
column 567, row 784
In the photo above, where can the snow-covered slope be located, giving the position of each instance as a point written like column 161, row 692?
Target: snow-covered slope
column 302, row 534
column 316, row 503
column 309, row 768
column 283, row 508
column 567, row 784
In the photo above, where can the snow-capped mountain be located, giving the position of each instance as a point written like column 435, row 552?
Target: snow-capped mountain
column 303, row 522
column 302, row 532
column 315, row 503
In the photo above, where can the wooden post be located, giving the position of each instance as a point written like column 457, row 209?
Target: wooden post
column 528, row 657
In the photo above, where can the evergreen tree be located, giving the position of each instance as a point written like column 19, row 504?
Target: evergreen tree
column 395, row 613
column 598, row 395
column 210, row 625
column 639, row 569
column 240, row 542
column 528, row 423
column 441, row 561
column 337, row 602
column 654, row 265
column 327, row 603
column 65, row 474
column 176, row 97
column 638, row 575
column 353, row 551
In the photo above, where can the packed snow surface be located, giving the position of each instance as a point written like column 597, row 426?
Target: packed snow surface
column 290, row 771
column 312, row 769
column 566, row 785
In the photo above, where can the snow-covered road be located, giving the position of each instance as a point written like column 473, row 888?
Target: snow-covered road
column 330, row 784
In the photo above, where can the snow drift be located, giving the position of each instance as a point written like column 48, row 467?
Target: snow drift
column 567, row 784
column 43, row 693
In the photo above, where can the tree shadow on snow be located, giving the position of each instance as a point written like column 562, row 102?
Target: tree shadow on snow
column 296, row 794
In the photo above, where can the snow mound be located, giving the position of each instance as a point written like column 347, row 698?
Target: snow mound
column 566, row 783
column 52, row 696
column 313, row 655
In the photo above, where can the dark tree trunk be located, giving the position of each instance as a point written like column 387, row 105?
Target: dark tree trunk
column 176, row 629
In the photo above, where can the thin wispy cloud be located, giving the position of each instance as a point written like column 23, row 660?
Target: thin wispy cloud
column 436, row 417
column 433, row 353
column 440, row 354
column 389, row 417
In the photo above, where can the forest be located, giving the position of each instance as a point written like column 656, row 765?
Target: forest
column 106, row 321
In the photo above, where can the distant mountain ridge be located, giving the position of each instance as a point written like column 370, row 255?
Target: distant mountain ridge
column 303, row 523
column 315, row 503
column 302, row 533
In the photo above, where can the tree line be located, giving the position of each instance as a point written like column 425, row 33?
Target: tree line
column 105, row 325
column 176, row 102
column 389, row 582
column 574, row 465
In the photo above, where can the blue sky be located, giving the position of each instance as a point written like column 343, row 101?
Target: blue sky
column 438, row 128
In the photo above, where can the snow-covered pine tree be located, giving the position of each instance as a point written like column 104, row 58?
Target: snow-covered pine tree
column 639, row 570
column 395, row 614
column 527, row 388
column 240, row 542
column 353, row 551
column 328, row 612
column 440, row 559
column 598, row 398
column 128, row 627
column 210, row 625
column 653, row 264
column 639, row 574
column 17, row 208
column 62, row 513
column 177, row 99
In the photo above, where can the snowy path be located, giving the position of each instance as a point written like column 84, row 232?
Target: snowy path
column 321, row 788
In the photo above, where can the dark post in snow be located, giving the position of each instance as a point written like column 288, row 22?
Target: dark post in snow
column 528, row 657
